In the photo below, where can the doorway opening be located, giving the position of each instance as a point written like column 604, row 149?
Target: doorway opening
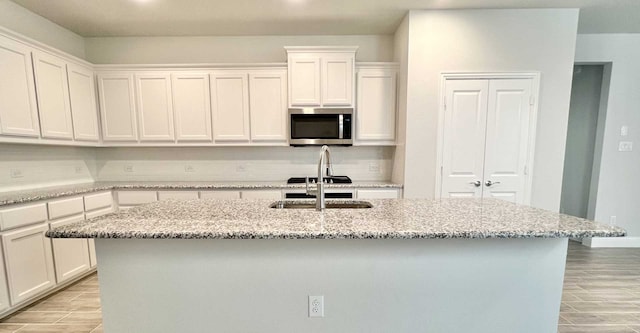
column 587, row 116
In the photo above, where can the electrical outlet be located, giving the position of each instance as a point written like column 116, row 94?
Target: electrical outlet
column 128, row 168
column 316, row 306
column 16, row 173
column 613, row 219
column 374, row 167
column 625, row 146
column 189, row 168
column 624, row 130
column 79, row 169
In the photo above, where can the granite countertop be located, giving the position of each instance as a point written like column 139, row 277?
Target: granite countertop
column 16, row 197
column 389, row 218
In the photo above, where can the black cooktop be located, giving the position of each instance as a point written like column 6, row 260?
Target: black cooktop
column 330, row 180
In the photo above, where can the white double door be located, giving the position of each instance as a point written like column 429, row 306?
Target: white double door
column 486, row 138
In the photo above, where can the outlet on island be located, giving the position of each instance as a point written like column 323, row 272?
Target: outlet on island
column 316, row 306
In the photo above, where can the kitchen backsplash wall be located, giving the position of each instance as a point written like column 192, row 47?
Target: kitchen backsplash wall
column 29, row 166
column 238, row 163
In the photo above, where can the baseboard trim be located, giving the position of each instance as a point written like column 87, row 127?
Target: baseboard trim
column 629, row 242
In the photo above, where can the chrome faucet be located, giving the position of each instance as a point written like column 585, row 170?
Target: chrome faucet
column 323, row 163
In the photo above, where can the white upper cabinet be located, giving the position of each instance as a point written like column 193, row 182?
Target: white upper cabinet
column 321, row 76
column 53, row 96
column 18, row 108
column 117, row 107
column 155, row 107
column 337, row 79
column 268, row 105
column 304, row 80
column 230, row 106
column 191, row 106
column 376, row 106
column 83, row 103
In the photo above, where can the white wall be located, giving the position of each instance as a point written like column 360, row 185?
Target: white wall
column 230, row 49
column 619, row 178
column 20, row 20
column 239, row 163
column 490, row 41
column 42, row 166
column 401, row 54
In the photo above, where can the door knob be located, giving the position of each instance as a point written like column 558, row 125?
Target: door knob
column 489, row 183
column 477, row 183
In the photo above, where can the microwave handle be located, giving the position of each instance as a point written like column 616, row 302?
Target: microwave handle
column 340, row 126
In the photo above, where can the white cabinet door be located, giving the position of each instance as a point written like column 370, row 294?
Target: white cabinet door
column 464, row 138
column 53, row 96
column 507, row 139
column 27, row 254
column 18, row 108
column 117, row 107
column 4, row 291
column 376, row 106
column 486, row 138
column 155, row 107
column 304, row 80
column 191, row 106
column 83, row 103
column 337, row 80
column 268, row 105
column 230, row 107
column 71, row 255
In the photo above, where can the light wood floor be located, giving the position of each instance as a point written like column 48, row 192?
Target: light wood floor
column 601, row 291
column 601, row 295
column 76, row 309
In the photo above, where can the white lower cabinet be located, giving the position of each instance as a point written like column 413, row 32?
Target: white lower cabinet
column 29, row 262
column 71, row 255
column 4, row 292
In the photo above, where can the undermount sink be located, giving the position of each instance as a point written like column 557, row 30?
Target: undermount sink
column 329, row 205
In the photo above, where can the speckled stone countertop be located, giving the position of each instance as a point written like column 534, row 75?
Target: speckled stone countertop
column 389, row 218
column 10, row 198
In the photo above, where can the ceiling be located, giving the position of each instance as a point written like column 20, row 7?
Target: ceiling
column 101, row 18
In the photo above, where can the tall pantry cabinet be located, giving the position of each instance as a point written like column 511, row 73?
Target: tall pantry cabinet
column 487, row 137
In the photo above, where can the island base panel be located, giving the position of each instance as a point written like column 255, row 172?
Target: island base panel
column 385, row 285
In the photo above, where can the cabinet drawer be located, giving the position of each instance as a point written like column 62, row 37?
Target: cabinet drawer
column 97, row 201
column 220, row 194
column 377, row 194
column 163, row 195
column 100, row 212
column 65, row 207
column 132, row 198
column 22, row 215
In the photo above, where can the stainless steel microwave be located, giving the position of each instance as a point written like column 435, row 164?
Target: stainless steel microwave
column 320, row 126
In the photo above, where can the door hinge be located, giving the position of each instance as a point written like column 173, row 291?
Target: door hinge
column 532, row 100
column 526, row 170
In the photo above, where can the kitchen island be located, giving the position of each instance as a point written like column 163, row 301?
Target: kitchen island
column 450, row 265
